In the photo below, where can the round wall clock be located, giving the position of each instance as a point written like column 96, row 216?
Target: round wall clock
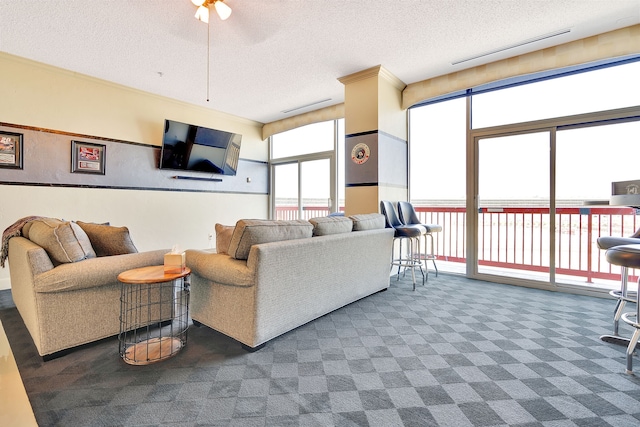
column 360, row 153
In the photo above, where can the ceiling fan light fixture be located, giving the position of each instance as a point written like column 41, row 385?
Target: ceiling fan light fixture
column 202, row 14
column 222, row 9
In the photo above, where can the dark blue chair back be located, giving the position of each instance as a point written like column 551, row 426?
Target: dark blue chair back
column 408, row 215
column 389, row 212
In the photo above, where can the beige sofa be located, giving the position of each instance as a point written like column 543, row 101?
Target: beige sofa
column 278, row 275
column 64, row 280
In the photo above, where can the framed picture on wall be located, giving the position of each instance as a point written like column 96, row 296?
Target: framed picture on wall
column 10, row 150
column 87, row 157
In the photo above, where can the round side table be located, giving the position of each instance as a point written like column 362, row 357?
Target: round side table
column 154, row 314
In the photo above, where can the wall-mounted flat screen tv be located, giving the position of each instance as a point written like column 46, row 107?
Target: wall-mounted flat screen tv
column 195, row 148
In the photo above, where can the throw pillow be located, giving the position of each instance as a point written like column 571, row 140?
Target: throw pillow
column 249, row 232
column 371, row 221
column 223, row 238
column 326, row 225
column 64, row 241
column 108, row 240
column 26, row 228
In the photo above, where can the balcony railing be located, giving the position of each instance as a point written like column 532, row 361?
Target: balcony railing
column 291, row 212
column 518, row 237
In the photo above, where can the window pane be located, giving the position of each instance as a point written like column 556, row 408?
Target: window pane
column 512, row 169
column 513, row 201
column 286, row 191
column 590, row 159
column 308, row 139
column 315, row 190
column 438, row 138
column 437, row 181
column 599, row 90
column 341, row 166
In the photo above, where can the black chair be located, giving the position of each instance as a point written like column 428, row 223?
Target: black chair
column 408, row 233
column 408, row 216
column 622, row 295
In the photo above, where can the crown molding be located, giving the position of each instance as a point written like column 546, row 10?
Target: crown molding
column 377, row 71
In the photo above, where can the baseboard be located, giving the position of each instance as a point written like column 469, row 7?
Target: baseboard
column 5, row 284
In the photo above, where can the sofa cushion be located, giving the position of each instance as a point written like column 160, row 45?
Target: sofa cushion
column 223, row 238
column 64, row 241
column 326, row 225
column 108, row 240
column 249, row 232
column 372, row 221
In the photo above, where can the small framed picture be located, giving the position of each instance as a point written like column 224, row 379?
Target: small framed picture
column 10, row 150
column 87, row 157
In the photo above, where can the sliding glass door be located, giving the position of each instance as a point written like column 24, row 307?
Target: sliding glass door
column 541, row 197
column 513, row 202
column 589, row 159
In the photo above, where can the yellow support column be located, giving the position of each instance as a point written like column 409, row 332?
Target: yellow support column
column 376, row 162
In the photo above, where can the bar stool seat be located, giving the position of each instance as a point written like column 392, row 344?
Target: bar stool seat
column 622, row 295
column 628, row 256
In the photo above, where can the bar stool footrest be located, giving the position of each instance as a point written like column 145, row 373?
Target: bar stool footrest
column 632, row 296
column 631, row 319
column 618, row 340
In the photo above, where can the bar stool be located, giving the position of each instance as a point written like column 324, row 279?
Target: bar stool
column 628, row 256
column 410, row 233
column 622, row 295
column 408, row 216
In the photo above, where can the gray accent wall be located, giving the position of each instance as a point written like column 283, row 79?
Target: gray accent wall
column 386, row 166
column 47, row 161
column 365, row 173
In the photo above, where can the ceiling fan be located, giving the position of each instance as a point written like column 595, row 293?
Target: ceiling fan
column 202, row 14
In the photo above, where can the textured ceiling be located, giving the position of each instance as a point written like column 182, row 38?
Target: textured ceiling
column 275, row 55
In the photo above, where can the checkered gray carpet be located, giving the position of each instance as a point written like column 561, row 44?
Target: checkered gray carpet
column 455, row 352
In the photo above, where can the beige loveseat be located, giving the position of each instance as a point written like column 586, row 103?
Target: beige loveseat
column 277, row 275
column 64, row 280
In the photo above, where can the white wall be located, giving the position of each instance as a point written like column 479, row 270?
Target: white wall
column 45, row 97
